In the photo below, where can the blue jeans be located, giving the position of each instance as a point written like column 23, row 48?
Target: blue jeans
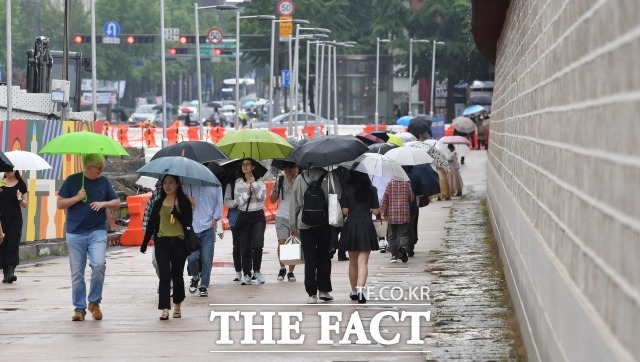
column 204, row 256
column 93, row 244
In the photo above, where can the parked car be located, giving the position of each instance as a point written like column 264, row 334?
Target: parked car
column 144, row 113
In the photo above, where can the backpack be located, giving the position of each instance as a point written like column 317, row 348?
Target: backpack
column 314, row 206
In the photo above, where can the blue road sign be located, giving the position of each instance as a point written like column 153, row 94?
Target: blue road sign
column 111, row 29
column 285, row 78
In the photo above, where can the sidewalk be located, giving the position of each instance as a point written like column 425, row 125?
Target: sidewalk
column 35, row 312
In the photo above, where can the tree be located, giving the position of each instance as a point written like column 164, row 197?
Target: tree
column 457, row 60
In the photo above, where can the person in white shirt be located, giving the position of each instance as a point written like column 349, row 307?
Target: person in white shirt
column 249, row 195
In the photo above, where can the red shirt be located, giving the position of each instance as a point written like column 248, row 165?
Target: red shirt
column 395, row 202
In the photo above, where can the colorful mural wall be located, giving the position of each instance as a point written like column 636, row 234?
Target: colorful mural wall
column 42, row 220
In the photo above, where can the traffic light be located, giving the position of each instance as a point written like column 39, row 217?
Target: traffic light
column 139, row 39
column 80, row 39
column 178, row 51
column 226, row 52
column 217, row 52
column 191, row 39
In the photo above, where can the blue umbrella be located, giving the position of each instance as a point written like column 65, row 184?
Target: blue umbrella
column 404, row 120
column 473, row 110
column 190, row 172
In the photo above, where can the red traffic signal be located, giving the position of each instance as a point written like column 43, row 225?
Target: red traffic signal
column 217, row 51
column 77, row 39
column 131, row 39
column 183, row 39
column 178, row 51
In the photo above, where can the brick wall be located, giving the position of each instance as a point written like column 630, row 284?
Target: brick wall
column 564, row 175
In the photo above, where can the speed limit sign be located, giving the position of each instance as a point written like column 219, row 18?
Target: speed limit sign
column 214, row 35
column 286, row 8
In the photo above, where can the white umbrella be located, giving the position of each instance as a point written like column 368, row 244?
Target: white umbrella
column 147, row 182
column 375, row 164
column 464, row 124
column 439, row 158
column 406, row 137
column 27, row 161
column 409, row 156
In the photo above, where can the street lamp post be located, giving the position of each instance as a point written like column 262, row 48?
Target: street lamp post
column 347, row 44
column 272, row 60
column 165, row 141
column 238, row 17
column 378, row 41
column 411, row 41
column 198, row 71
column 433, row 73
column 294, row 76
column 306, row 86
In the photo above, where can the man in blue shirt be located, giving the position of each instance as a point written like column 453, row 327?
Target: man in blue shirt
column 207, row 211
column 86, row 195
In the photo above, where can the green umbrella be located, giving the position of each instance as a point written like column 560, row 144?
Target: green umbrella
column 82, row 143
column 243, row 115
column 258, row 144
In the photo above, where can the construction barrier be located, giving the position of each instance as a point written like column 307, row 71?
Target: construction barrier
column 149, row 134
column 123, row 136
column 193, row 134
column 281, row 131
column 216, row 133
column 310, row 131
column 134, row 234
column 371, row 128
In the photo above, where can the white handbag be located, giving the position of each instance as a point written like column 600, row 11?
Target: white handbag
column 291, row 252
column 335, row 210
column 381, row 227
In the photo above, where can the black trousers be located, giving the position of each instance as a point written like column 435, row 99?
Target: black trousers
column 171, row 254
column 316, row 243
column 251, row 236
column 237, row 256
column 10, row 247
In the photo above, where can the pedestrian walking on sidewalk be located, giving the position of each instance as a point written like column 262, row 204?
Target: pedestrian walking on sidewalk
column 343, row 174
column 170, row 216
column 308, row 217
column 232, row 216
column 455, row 180
column 359, row 200
column 86, row 196
column 283, row 190
column 395, row 209
column 155, row 195
column 251, row 223
column 206, row 213
column 13, row 198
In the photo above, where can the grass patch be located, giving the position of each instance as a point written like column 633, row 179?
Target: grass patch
column 518, row 350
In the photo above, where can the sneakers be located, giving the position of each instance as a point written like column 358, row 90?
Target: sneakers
column 325, row 296
column 383, row 249
column 404, row 256
column 96, row 313
column 394, row 259
column 78, row 316
column 291, row 277
column 238, row 277
column 246, row 280
column 194, row 285
column 203, row 292
column 282, row 273
column 259, row 277
column 312, row 300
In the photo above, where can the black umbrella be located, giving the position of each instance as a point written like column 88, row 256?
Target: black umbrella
column 327, row 151
column 280, row 163
column 5, row 164
column 424, row 180
column 199, row 151
column 369, row 139
column 383, row 135
column 232, row 168
column 381, row 148
column 419, row 125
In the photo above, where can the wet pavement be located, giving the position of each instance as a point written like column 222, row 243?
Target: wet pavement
column 35, row 312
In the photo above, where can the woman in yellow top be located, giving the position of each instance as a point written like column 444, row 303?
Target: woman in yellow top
column 170, row 215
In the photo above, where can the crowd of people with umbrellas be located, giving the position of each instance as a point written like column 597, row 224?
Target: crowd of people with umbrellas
column 339, row 193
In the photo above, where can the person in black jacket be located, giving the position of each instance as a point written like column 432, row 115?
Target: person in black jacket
column 171, row 214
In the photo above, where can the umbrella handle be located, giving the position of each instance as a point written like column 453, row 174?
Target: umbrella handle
column 82, row 188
